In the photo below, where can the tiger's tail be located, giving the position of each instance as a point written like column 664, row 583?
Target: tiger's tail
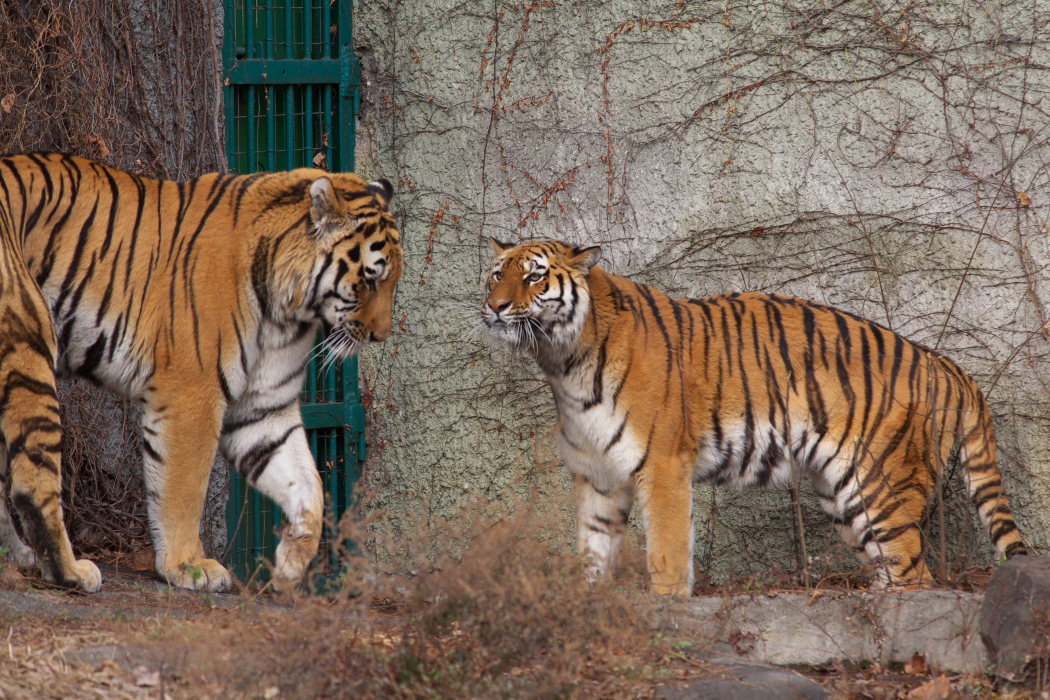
column 977, row 456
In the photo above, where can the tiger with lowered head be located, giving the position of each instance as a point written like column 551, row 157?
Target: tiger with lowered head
column 654, row 394
column 199, row 299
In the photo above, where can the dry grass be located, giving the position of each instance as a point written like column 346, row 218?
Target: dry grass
column 507, row 619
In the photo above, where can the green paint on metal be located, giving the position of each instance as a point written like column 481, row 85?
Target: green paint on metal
column 292, row 92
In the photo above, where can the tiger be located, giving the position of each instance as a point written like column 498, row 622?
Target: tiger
column 201, row 300
column 743, row 389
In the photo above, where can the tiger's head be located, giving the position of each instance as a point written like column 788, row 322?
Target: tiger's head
column 537, row 293
column 345, row 273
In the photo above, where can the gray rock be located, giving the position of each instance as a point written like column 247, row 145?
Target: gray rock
column 738, row 680
column 1015, row 616
column 789, row 628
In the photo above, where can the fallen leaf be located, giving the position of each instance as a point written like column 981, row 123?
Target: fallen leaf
column 937, row 689
column 142, row 561
column 1022, row 198
column 8, row 102
column 917, row 666
column 11, row 578
column 99, row 143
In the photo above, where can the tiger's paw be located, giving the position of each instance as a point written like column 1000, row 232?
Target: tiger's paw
column 679, row 588
column 199, row 575
column 297, row 549
column 20, row 555
column 290, row 568
column 83, row 574
column 89, row 578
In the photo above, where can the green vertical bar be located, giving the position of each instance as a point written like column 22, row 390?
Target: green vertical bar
column 229, row 38
column 250, row 153
column 289, row 126
column 308, row 21
column 308, row 123
column 289, row 32
column 345, row 114
column 336, row 505
column 268, row 32
column 326, row 24
column 249, row 29
column 271, row 131
column 333, row 164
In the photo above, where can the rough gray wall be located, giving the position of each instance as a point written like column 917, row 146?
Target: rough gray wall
column 887, row 158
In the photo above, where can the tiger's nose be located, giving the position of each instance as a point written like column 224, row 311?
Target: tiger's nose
column 499, row 306
column 378, row 336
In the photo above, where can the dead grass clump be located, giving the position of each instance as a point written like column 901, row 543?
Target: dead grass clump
column 508, row 619
column 504, row 620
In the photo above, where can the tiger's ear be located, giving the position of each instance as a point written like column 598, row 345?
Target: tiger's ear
column 499, row 247
column 382, row 189
column 583, row 259
column 322, row 203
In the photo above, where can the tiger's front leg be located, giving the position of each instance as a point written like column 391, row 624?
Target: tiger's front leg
column 180, row 433
column 601, row 524
column 271, row 452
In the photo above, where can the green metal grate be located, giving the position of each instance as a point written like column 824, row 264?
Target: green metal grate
column 291, row 93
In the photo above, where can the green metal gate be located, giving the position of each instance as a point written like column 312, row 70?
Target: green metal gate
column 291, row 90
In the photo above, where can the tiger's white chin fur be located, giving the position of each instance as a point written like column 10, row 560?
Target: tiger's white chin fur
column 539, row 335
column 519, row 333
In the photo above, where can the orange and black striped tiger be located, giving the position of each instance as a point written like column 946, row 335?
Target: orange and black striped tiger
column 654, row 394
column 199, row 299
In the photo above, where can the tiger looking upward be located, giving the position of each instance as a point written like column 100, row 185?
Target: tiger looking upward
column 655, row 393
column 199, row 299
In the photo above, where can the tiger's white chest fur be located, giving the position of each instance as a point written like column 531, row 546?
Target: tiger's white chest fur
column 596, row 439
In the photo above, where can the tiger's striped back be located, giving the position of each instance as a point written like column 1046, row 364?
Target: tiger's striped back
column 741, row 389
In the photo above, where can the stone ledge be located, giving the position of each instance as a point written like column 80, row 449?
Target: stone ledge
column 813, row 628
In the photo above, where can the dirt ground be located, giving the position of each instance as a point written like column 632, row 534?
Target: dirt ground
column 461, row 632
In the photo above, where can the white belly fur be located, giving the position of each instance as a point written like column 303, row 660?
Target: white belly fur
column 739, row 475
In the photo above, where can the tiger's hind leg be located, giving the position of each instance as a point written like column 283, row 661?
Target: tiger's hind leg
column 15, row 549
column 31, row 429
column 877, row 509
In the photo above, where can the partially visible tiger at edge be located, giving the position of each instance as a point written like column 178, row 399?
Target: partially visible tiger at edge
column 201, row 300
column 654, row 394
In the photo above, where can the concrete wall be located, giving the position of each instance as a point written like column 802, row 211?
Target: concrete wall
column 892, row 162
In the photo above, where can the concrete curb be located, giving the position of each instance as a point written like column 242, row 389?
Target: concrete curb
column 814, row 628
